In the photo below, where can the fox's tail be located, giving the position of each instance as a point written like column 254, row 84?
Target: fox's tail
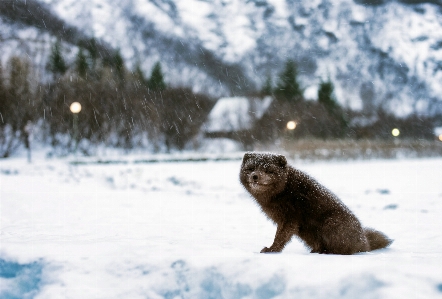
column 376, row 239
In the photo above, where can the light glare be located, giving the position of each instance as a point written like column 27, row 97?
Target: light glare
column 395, row 132
column 75, row 107
column 291, row 125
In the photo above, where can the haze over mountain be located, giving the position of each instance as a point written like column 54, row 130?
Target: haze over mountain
column 376, row 52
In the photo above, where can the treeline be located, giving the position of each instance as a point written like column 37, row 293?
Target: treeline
column 120, row 108
column 325, row 118
column 126, row 109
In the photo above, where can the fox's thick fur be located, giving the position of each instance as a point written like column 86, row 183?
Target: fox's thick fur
column 302, row 207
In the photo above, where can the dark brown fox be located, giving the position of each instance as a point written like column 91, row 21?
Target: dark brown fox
column 300, row 206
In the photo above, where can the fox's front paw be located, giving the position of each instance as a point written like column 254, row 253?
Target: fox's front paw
column 265, row 249
column 271, row 249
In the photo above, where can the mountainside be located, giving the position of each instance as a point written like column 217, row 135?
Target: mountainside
column 28, row 29
column 377, row 52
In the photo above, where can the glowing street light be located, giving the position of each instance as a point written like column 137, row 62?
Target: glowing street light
column 438, row 133
column 75, row 109
column 291, row 125
column 395, row 132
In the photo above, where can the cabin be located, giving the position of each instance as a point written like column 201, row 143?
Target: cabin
column 235, row 118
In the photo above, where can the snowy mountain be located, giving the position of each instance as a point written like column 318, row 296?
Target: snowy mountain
column 377, row 52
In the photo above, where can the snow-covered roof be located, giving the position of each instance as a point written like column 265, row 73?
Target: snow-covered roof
column 311, row 92
column 236, row 113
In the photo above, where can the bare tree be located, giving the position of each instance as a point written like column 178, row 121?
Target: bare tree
column 19, row 104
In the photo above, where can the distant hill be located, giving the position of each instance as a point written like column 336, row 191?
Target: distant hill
column 378, row 53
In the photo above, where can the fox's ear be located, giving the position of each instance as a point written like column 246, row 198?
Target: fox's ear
column 247, row 156
column 281, row 160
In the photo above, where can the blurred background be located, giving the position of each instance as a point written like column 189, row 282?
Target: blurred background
column 317, row 79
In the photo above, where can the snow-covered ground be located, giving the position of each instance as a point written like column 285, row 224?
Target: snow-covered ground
column 189, row 230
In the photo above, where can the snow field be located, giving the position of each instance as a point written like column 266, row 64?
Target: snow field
column 189, row 230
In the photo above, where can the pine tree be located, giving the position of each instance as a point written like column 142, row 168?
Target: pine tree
column 92, row 48
column 288, row 87
column 57, row 64
column 118, row 63
column 156, row 81
column 92, row 56
column 81, row 63
column 327, row 99
column 267, row 89
column 326, row 96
